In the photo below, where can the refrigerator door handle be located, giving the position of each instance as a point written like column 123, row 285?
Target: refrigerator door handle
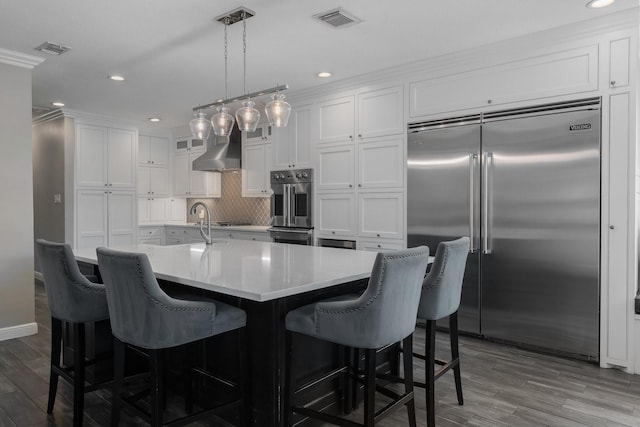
column 472, row 166
column 487, row 164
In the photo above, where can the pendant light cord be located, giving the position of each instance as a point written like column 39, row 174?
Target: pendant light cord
column 244, row 49
column 226, row 90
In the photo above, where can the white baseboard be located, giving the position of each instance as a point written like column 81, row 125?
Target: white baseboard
column 18, row 331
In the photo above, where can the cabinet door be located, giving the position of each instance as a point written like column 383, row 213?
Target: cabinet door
column 158, row 210
column 158, row 181
column 336, row 215
column 336, row 119
column 182, row 164
column 253, row 171
column 143, row 209
column 122, row 218
column 292, row 145
column 143, row 150
column 143, row 183
column 381, row 215
column 158, row 151
column 335, row 169
column 381, row 163
column 177, row 210
column 182, row 144
column 381, row 112
column 121, row 170
column 619, row 63
column 91, row 156
column 91, row 218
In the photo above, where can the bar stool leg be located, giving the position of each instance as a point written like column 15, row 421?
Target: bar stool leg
column 156, row 366
column 369, row 387
column 429, row 369
column 455, row 355
column 242, row 377
column 56, row 347
column 118, row 379
column 407, row 358
column 78, row 373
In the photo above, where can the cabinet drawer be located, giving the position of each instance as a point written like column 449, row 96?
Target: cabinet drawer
column 379, row 245
column 147, row 232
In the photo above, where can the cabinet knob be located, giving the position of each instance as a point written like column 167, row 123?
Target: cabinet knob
column 350, row 186
column 613, row 83
column 379, row 246
column 359, row 135
column 489, row 101
column 359, row 185
column 350, row 136
column 378, row 235
column 611, row 227
column 333, row 232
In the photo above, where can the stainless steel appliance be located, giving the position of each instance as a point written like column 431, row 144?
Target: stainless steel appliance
column 524, row 185
column 291, row 206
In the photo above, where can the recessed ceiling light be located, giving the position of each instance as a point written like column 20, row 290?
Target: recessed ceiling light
column 324, row 74
column 595, row 4
column 154, row 119
column 57, row 104
column 116, row 78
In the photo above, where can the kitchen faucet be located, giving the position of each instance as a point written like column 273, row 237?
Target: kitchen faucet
column 193, row 211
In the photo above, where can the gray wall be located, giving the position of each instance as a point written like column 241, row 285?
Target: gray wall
column 48, row 180
column 16, row 193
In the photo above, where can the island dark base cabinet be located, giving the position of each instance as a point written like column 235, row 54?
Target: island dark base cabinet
column 265, row 352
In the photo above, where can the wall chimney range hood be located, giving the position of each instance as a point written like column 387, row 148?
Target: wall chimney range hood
column 223, row 153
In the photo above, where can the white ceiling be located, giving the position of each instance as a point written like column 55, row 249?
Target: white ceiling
column 171, row 51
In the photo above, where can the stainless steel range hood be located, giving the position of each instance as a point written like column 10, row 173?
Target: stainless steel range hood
column 223, row 153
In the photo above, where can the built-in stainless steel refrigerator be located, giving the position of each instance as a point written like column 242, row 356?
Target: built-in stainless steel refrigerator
column 525, row 186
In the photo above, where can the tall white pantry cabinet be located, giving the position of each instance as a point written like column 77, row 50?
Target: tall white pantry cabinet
column 105, row 160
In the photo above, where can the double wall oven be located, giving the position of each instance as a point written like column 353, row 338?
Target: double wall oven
column 291, row 206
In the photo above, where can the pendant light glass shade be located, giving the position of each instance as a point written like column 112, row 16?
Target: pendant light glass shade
column 278, row 111
column 222, row 122
column 247, row 116
column 200, row 126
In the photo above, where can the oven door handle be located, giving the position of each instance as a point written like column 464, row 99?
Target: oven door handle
column 291, row 215
column 285, row 198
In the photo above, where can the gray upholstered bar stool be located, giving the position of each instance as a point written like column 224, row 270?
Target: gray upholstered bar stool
column 144, row 316
column 384, row 314
column 75, row 300
column 440, row 298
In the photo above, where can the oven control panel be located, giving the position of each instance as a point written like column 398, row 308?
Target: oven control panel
column 291, row 176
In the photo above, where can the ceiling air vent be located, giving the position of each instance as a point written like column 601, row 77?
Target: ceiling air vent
column 338, row 18
column 52, row 48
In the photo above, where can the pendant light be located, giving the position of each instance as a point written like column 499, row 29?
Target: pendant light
column 200, row 126
column 278, row 111
column 247, row 116
column 222, row 121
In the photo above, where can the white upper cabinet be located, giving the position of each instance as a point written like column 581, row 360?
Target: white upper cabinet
column 381, row 163
column 561, row 73
column 105, row 157
column 153, row 151
column 619, row 62
column 153, row 181
column 191, row 183
column 105, row 218
column 335, row 167
column 336, row 119
column 368, row 113
column 263, row 133
column 381, row 112
column 187, row 143
column 292, row 145
column 256, row 165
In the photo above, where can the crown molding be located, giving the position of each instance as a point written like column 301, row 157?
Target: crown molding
column 18, row 59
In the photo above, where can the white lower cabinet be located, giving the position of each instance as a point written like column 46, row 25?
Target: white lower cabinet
column 151, row 235
column 245, row 235
column 180, row 235
column 153, row 181
column 335, row 215
column 190, row 183
column 177, row 210
column 379, row 245
column 105, row 218
column 381, row 215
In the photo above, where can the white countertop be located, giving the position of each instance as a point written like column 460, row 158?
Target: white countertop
column 258, row 271
column 249, row 228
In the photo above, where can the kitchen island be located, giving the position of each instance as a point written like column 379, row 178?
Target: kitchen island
column 267, row 280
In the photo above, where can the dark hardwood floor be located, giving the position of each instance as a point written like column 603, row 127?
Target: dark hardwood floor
column 503, row 386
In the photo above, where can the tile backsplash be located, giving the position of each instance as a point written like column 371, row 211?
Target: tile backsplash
column 231, row 206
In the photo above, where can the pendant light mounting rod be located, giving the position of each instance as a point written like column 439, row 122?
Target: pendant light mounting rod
column 242, row 97
column 236, row 15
